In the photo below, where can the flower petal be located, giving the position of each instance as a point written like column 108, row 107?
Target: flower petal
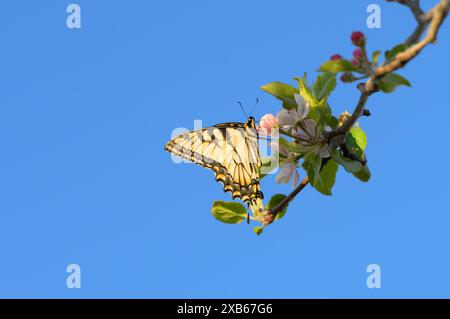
column 262, row 131
column 296, row 178
column 268, row 122
column 286, row 174
column 300, row 134
column 286, row 118
column 302, row 107
column 310, row 127
column 276, row 148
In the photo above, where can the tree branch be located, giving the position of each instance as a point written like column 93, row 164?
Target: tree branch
column 433, row 20
column 421, row 18
column 414, row 5
column 281, row 205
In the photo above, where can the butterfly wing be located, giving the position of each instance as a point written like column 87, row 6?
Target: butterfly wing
column 230, row 150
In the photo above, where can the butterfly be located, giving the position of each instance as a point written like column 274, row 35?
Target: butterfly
column 230, row 150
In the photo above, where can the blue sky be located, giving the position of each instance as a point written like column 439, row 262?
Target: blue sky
column 84, row 115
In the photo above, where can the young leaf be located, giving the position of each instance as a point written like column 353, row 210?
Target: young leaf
column 349, row 165
column 258, row 230
column 363, row 174
column 305, row 91
column 356, row 141
column 277, row 198
column 356, row 168
column 296, row 147
column 283, row 92
column 392, row 53
column 390, row 81
column 336, row 66
column 376, row 57
column 333, row 122
column 327, row 177
column 321, row 179
column 320, row 112
column 229, row 212
column 324, row 85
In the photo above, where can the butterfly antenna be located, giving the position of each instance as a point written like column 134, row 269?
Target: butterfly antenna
column 242, row 108
column 254, row 106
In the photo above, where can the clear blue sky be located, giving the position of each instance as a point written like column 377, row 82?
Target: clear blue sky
column 84, row 115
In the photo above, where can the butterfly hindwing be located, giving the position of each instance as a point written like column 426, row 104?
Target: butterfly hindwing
column 230, row 150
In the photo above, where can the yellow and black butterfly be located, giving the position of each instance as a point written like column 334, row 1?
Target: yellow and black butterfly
column 230, row 150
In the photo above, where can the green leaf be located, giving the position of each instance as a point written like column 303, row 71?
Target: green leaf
column 305, row 91
column 327, row 177
column 296, row 147
column 258, row 230
column 392, row 53
column 363, row 174
column 333, row 122
column 356, row 141
column 376, row 57
column 358, row 170
column 290, row 146
column 283, row 92
column 320, row 112
column 390, row 81
column 321, row 179
column 348, row 164
column 229, row 212
column 335, row 66
column 274, row 201
column 324, row 85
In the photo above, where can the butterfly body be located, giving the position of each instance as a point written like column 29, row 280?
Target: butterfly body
column 230, row 150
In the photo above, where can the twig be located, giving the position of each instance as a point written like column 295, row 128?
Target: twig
column 280, row 206
column 358, row 112
column 421, row 18
column 433, row 19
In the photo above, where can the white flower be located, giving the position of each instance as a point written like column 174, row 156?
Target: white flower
column 302, row 107
column 308, row 132
column 288, row 118
column 287, row 172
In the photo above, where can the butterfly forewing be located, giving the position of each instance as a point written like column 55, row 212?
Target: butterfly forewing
column 230, row 150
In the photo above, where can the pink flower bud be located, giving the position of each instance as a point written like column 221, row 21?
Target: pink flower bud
column 336, row 57
column 268, row 122
column 358, row 38
column 355, row 62
column 357, row 54
column 268, row 219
